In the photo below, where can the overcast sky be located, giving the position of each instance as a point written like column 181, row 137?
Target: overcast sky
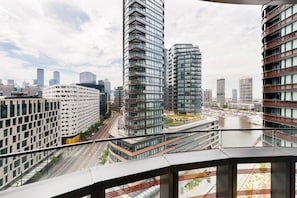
column 77, row 36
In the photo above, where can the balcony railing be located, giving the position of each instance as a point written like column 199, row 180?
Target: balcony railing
column 221, row 172
column 273, row 88
column 280, row 25
column 280, row 103
column 278, row 72
column 274, row 12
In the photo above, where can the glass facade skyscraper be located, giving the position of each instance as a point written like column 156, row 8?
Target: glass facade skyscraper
column 143, row 70
column 184, row 78
column 40, row 77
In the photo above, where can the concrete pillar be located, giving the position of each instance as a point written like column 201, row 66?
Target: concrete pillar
column 169, row 185
column 98, row 191
column 227, row 181
column 283, row 179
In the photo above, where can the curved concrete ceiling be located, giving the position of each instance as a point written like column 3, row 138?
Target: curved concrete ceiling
column 256, row 2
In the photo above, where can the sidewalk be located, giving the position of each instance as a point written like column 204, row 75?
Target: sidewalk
column 39, row 167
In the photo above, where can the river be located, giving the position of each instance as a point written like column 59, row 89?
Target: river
column 238, row 138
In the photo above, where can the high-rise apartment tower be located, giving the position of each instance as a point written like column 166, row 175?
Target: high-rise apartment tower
column 143, row 66
column 280, row 72
column 184, row 78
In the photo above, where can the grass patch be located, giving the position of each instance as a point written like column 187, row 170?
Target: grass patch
column 180, row 119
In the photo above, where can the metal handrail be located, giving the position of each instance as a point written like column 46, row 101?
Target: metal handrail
column 134, row 137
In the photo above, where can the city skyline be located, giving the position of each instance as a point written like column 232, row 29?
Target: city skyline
column 91, row 41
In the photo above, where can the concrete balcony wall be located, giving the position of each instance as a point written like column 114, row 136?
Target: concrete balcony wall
column 96, row 180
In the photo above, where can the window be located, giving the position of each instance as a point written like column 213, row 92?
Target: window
column 24, row 108
column 11, row 109
column 7, row 123
column 3, row 111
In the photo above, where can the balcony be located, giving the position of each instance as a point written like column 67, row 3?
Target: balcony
column 218, row 172
column 137, row 46
column 274, row 58
column 280, row 103
column 137, row 37
column 278, row 88
column 279, row 25
column 280, row 41
column 278, row 72
column 137, row 28
column 274, row 12
column 136, row 10
column 133, row 19
column 278, row 118
column 95, row 181
column 137, row 56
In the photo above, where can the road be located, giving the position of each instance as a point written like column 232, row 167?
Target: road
column 82, row 157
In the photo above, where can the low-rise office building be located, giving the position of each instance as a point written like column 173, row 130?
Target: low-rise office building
column 79, row 109
column 139, row 148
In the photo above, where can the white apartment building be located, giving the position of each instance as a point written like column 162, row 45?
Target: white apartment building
column 246, row 90
column 26, row 123
column 79, row 109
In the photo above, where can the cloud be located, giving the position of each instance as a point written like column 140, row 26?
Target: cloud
column 68, row 14
column 87, row 36
column 229, row 37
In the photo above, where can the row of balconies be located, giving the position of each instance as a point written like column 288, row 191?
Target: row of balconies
column 275, row 12
column 280, row 25
column 278, row 57
column 280, row 41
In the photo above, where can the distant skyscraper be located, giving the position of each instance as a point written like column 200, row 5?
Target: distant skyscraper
column 40, row 77
column 119, row 96
column 57, row 77
column 52, row 82
column 100, row 82
column 221, row 91
column 184, row 80
column 234, row 95
column 87, row 78
column 107, row 86
column 206, row 96
column 10, row 82
column 246, row 90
